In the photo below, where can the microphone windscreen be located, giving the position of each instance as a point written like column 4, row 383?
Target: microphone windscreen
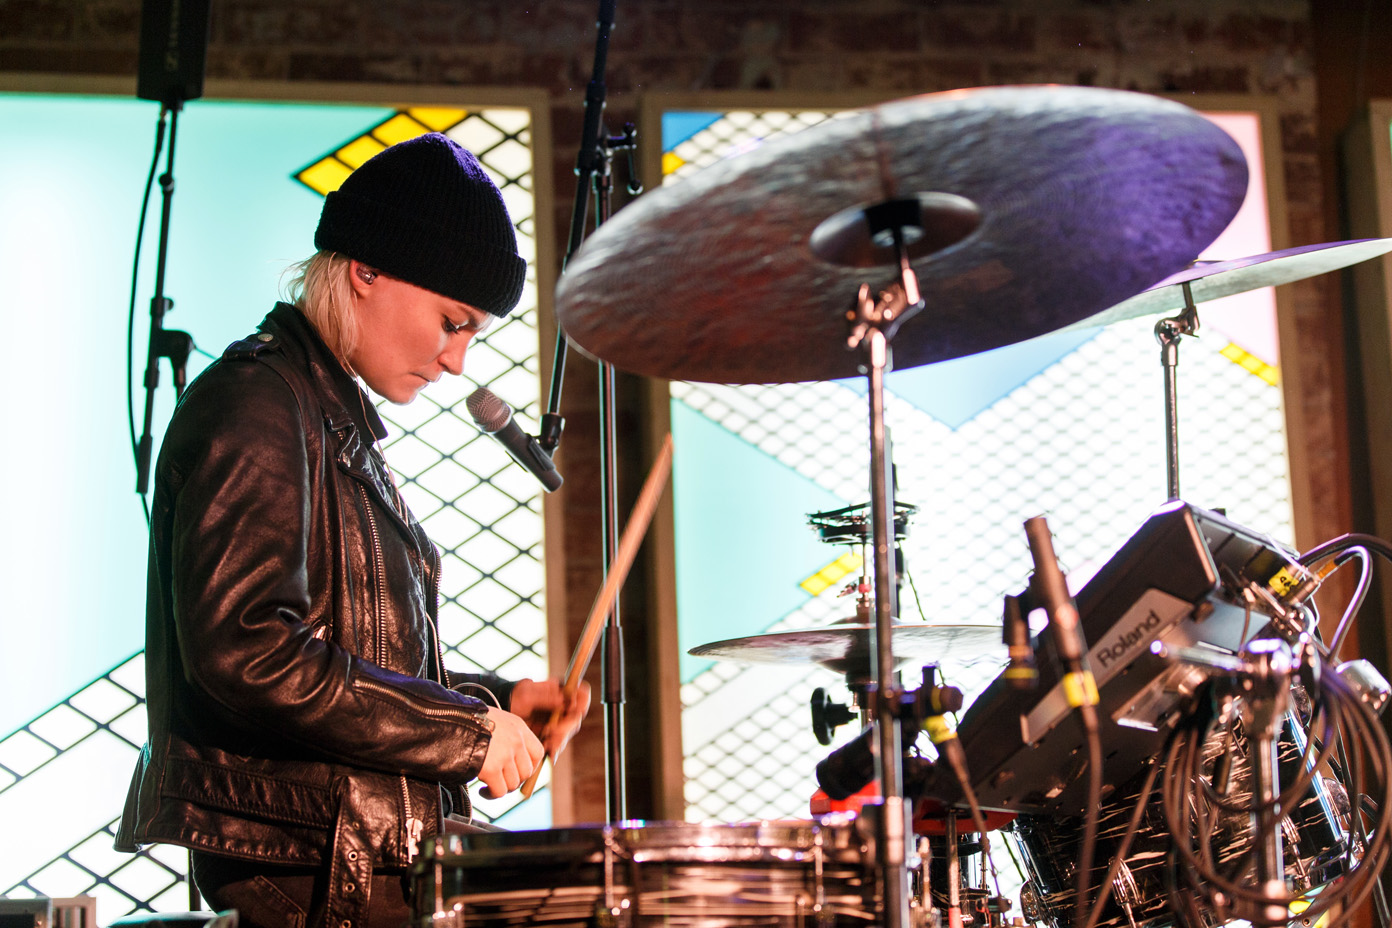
column 489, row 412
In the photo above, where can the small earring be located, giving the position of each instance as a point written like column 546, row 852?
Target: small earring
column 366, row 276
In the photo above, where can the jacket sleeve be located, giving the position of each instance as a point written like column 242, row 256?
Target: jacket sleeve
column 237, row 471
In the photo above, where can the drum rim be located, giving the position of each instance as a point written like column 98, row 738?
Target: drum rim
column 652, row 840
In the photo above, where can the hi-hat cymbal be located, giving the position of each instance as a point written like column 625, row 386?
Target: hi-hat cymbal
column 847, row 648
column 1211, row 280
column 1061, row 201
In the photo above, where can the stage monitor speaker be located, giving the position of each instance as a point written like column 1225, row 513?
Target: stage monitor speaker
column 173, row 50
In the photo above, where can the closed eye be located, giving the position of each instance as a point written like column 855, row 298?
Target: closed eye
column 475, row 321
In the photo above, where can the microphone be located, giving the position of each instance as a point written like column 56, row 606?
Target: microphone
column 494, row 416
column 1021, row 674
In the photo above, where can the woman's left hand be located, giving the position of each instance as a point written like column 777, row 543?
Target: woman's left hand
column 535, row 702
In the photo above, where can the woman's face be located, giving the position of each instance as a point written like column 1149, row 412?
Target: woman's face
column 408, row 336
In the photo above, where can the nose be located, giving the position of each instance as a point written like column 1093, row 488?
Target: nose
column 452, row 358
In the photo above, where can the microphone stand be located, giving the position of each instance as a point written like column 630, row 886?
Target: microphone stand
column 163, row 343
column 593, row 169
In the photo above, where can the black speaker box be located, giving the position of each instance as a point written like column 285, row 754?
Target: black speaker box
column 173, row 50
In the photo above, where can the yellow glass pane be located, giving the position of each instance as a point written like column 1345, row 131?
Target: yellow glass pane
column 438, row 118
column 359, row 150
column 325, row 175
column 670, row 163
column 832, row 573
column 1251, row 363
column 398, row 129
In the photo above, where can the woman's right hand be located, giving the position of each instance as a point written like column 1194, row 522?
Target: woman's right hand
column 513, row 753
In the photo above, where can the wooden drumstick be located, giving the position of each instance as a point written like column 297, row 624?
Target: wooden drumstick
column 629, row 541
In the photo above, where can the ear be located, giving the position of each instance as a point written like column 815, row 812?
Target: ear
column 360, row 276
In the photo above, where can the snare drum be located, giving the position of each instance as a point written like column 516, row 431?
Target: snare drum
column 811, row 874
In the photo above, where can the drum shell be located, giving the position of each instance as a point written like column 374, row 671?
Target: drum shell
column 648, row 873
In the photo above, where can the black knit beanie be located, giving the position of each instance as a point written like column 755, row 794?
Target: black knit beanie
column 424, row 210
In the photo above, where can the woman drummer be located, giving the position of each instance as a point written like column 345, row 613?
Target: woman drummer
column 304, row 733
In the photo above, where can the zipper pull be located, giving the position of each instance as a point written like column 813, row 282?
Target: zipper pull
column 414, row 828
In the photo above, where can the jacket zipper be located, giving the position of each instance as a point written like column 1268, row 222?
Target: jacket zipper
column 435, row 617
column 412, row 827
column 380, row 561
column 445, row 712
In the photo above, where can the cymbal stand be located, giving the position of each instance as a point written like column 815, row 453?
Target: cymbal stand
column 1168, row 333
column 873, row 322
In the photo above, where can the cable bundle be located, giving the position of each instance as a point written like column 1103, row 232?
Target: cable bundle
column 1219, row 833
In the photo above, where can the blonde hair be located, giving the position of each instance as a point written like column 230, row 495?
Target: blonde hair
column 321, row 289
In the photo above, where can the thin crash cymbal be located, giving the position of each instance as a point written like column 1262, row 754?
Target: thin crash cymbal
column 1211, row 280
column 847, row 649
column 1042, row 206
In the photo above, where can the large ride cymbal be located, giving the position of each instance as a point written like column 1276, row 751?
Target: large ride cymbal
column 1212, row 280
column 848, row 648
column 1083, row 197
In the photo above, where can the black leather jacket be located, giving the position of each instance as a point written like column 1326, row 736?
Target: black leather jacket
column 299, row 709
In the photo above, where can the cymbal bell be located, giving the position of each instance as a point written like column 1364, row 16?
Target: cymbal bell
column 847, row 648
column 857, row 237
column 1212, row 280
column 1043, row 206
